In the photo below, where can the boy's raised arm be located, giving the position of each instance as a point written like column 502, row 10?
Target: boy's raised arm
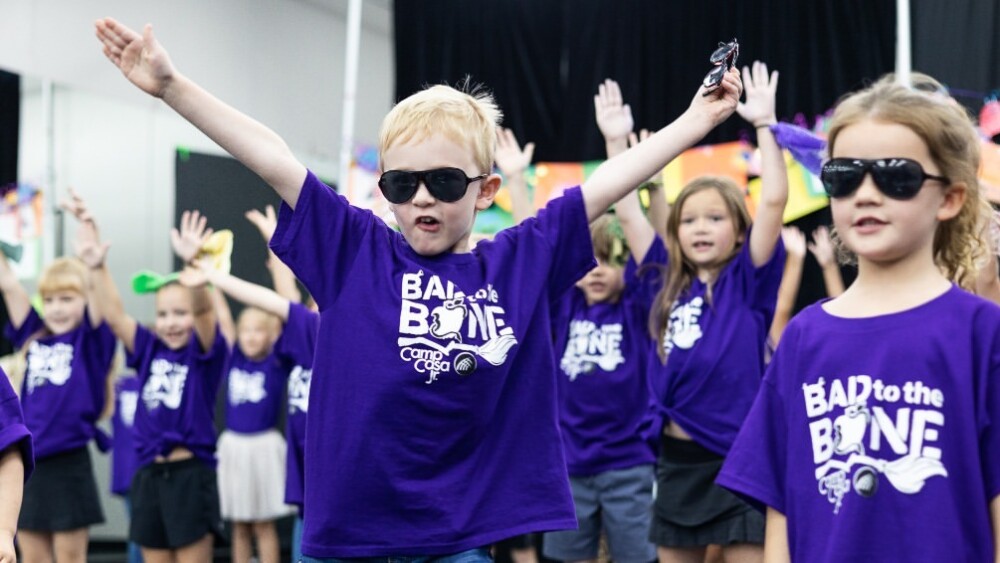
column 618, row 175
column 759, row 111
column 147, row 65
column 512, row 160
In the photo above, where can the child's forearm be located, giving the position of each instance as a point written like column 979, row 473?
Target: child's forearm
column 108, row 302
column 14, row 296
column 521, row 206
column 251, row 294
column 11, row 488
column 995, row 516
column 224, row 314
column 773, row 196
column 622, row 173
column 776, row 538
column 788, row 291
column 250, row 142
column 834, row 280
column 205, row 318
column 283, row 278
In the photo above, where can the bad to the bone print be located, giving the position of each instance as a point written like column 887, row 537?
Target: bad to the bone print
column 442, row 330
column 873, row 437
column 591, row 346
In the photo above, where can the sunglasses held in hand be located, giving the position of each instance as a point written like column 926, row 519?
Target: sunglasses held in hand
column 898, row 178
column 445, row 184
column 724, row 58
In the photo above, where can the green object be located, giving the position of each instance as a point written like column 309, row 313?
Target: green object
column 12, row 251
column 146, row 281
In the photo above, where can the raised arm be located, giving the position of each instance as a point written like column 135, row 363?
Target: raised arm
column 147, row 65
column 614, row 119
column 187, row 241
column 250, row 293
column 87, row 238
column 759, row 112
column 826, row 255
column 14, row 295
column 512, row 160
column 795, row 245
column 11, row 492
column 281, row 275
column 621, row 174
column 105, row 296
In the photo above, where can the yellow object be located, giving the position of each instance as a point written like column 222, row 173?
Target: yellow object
column 219, row 249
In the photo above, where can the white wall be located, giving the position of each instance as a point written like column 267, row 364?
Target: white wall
column 279, row 61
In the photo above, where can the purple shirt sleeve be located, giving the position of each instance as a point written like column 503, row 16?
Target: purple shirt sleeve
column 13, row 432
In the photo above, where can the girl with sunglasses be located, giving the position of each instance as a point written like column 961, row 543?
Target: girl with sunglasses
column 880, row 410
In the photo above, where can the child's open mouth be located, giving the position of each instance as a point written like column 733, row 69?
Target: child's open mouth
column 428, row 224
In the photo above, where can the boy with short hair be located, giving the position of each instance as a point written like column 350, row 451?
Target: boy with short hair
column 434, row 365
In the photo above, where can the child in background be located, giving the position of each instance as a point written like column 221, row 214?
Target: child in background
column 879, row 411
column 603, row 397
column 795, row 248
column 710, row 320
column 17, row 461
column 174, row 494
column 69, row 356
column 123, row 456
column 436, row 365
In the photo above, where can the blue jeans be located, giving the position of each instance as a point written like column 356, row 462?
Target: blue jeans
column 478, row 555
column 134, row 553
column 297, row 539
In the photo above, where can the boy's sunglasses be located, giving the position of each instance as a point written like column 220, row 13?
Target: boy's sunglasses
column 445, row 184
column 898, row 178
column 724, row 58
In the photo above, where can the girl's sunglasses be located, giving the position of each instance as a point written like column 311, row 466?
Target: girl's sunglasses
column 898, row 178
column 724, row 58
column 445, row 184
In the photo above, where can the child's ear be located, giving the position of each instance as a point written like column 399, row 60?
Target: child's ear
column 488, row 189
column 954, row 199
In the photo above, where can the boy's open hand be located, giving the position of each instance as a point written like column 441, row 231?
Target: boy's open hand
column 266, row 222
column 194, row 231
column 718, row 104
column 511, row 159
column 614, row 118
column 141, row 58
column 760, row 89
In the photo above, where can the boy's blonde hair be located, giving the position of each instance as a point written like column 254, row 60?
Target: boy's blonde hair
column 608, row 240
column 271, row 321
column 63, row 274
column 680, row 272
column 465, row 118
column 951, row 139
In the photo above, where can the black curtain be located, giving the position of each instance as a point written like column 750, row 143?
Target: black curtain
column 544, row 60
column 10, row 121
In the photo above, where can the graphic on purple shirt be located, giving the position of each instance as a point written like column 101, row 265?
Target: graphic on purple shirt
column 298, row 345
column 177, row 404
column 715, row 350
column 868, row 427
column 124, row 461
column 13, row 431
column 254, row 391
column 64, row 389
column 430, row 376
column 604, row 410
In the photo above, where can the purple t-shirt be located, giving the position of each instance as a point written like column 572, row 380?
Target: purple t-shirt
column 13, row 431
column 603, row 395
column 297, row 345
column 123, row 455
column 715, row 348
column 433, row 417
column 254, row 391
column 879, row 437
column 65, row 381
column 177, row 405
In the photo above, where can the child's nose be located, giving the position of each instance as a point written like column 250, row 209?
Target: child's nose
column 868, row 191
column 423, row 195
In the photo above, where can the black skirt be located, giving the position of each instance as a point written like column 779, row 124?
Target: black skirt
column 61, row 494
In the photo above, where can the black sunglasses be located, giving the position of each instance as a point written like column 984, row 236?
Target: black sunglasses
column 898, row 178
column 445, row 184
column 724, row 58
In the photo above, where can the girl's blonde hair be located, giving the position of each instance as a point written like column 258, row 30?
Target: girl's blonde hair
column 63, row 274
column 467, row 116
column 608, row 239
column 271, row 321
column 680, row 272
column 951, row 139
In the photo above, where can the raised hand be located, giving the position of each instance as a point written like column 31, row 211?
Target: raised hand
column 87, row 243
column 141, row 58
column 795, row 242
column 193, row 233
column 614, row 118
column 265, row 222
column 717, row 105
column 192, row 276
column 510, row 157
column 822, row 247
column 759, row 109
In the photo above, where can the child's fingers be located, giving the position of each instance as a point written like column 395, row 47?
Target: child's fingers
column 633, row 140
column 529, row 151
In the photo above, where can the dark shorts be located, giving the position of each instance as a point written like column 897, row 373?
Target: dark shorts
column 61, row 494
column 174, row 504
column 690, row 510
